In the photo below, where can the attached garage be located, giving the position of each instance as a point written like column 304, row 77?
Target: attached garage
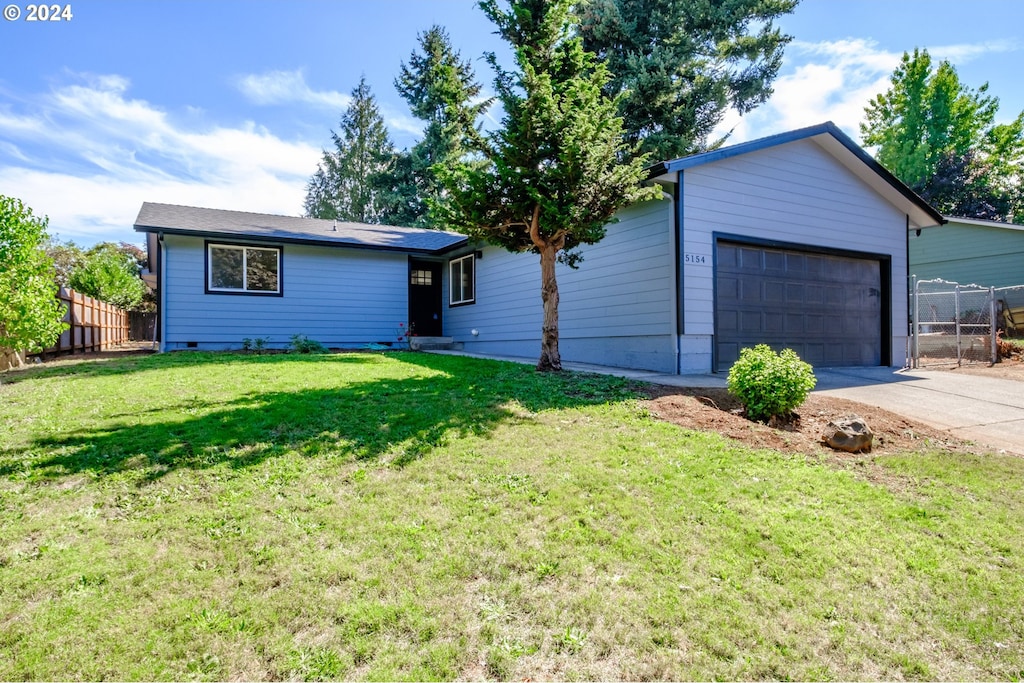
column 830, row 308
column 799, row 241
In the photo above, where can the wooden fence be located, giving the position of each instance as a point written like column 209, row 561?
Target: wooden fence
column 93, row 325
column 142, row 326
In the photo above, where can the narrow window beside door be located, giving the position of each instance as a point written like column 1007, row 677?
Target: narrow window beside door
column 461, row 280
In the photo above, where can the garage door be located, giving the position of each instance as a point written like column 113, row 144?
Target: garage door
column 826, row 308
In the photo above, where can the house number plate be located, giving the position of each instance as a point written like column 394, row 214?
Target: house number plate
column 694, row 258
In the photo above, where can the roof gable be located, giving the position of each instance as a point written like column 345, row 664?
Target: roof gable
column 830, row 138
column 200, row 222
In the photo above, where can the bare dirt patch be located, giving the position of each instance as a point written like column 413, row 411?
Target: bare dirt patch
column 716, row 410
column 1008, row 368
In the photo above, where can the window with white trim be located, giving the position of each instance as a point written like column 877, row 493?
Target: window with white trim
column 462, row 280
column 238, row 269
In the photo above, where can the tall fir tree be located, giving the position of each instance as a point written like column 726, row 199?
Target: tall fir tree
column 554, row 174
column 680, row 65
column 441, row 90
column 353, row 180
column 940, row 138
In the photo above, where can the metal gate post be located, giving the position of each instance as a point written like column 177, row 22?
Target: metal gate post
column 914, row 349
column 992, row 324
column 959, row 350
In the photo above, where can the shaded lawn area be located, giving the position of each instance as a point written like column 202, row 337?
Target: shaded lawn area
column 410, row 516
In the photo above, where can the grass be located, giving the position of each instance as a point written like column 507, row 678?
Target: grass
column 410, row 516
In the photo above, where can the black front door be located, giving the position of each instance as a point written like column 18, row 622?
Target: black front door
column 425, row 298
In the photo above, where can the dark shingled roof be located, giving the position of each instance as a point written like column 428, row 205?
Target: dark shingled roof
column 190, row 220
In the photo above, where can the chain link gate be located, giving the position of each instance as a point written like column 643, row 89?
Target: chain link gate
column 952, row 323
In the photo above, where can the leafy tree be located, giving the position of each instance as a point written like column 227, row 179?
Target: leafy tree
column 681, row 64
column 66, row 257
column 110, row 273
column 441, row 90
column 552, row 179
column 353, row 181
column 940, row 138
column 30, row 316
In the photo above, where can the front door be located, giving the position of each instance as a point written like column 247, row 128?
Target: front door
column 425, row 298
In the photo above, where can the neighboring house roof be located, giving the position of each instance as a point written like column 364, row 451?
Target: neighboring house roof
column 217, row 223
column 982, row 223
column 839, row 145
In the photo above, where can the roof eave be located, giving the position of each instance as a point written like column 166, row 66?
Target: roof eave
column 210, row 234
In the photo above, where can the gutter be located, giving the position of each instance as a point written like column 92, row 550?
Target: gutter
column 674, row 251
column 161, row 289
column 284, row 239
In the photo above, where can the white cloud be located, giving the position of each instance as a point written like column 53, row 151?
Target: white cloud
column 962, row 53
column 834, row 81
column 88, row 156
column 288, row 87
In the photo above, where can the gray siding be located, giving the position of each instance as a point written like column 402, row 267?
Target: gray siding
column 616, row 309
column 336, row 296
column 795, row 193
column 967, row 253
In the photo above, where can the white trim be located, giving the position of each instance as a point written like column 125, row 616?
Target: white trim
column 451, row 281
column 244, row 289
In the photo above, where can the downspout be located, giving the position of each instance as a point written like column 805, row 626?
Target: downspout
column 911, row 350
column 162, row 290
column 673, row 251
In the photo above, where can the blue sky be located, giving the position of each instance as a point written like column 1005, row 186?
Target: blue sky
column 228, row 104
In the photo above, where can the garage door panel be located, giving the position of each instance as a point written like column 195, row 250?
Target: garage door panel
column 796, row 325
column 750, row 259
column 814, row 353
column 750, row 322
column 774, row 261
column 794, row 293
column 728, row 353
column 728, row 287
column 728, row 322
column 826, row 308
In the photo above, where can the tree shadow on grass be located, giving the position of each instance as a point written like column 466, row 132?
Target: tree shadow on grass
column 402, row 418
column 87, row 366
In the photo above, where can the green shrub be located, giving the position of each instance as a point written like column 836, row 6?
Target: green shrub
column 303, row 344
column 770, row 385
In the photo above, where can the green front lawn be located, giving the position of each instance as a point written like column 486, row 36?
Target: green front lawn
column 411, row 516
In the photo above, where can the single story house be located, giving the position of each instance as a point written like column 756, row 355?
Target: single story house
column 798, row 239
column 970, row 251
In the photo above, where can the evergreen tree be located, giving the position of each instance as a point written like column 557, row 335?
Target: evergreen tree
column 552, row 177
column 940, row 138
column 681, row 64
column 441, row 91
column 352, row 181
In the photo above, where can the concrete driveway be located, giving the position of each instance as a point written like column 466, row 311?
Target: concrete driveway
column 986, row 410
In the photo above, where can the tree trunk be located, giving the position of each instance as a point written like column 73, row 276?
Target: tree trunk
column 550, row 359
column 11, row 359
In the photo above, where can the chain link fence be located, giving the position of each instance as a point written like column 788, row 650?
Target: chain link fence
column 1010, row 310
column 952, row 323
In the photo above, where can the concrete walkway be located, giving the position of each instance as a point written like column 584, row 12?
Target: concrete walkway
column 986, row 410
